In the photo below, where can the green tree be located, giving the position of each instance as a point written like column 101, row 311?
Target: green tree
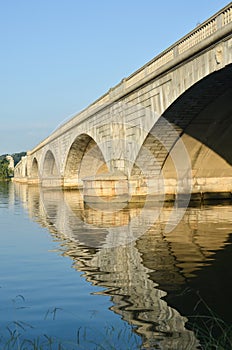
column 5, row 172
column 17, row 157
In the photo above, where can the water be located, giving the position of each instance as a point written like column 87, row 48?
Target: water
column 108, row 277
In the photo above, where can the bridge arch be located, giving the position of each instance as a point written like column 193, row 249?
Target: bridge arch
column 49, row 167
column 34, row 168
column 199, row 120
column 84, row 158
column 21, row 169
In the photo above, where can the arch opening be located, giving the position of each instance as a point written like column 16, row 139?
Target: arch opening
column 200, row 121
column 84, row 159
column 34, row 169
column 49, row 166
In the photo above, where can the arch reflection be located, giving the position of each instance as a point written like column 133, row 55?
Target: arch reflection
column 139, row 276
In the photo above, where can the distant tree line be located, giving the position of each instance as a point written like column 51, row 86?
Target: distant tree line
column 17, row 156
column 5, row 171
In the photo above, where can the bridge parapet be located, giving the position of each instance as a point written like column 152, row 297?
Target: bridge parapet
column 196, row 36
column 213, row 29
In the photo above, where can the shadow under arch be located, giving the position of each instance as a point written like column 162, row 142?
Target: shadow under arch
column 35, row 168
column 49, row 165
column 84, row 158
column 200, row 119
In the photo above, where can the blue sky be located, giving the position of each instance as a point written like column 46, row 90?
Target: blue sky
column 58, row 56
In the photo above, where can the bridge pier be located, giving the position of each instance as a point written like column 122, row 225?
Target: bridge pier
column 106, row 188
column 70, row 183
column 33, row 181
column 52, row 182
column 119, row 189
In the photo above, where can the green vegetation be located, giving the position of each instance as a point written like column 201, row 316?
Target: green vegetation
column 18, row 334
column 5, row 171
column 17, row 157
column 84, row 339
column 112, row 339
column 211, row 330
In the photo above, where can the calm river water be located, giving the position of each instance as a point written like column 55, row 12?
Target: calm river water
column 107, row 277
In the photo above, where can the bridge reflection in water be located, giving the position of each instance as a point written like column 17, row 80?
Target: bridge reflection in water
column 152, row 278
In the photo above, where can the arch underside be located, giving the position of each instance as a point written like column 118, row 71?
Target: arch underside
column 35, row 169
column 49, row 166
column 84, row 159
column 200, row 122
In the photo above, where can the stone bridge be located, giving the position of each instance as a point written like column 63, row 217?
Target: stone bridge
column 164, row 130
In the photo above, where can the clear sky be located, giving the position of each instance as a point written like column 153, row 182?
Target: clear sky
column 58, row 56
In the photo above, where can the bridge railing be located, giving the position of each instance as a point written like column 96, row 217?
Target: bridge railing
column 203, row 31
column 200, row 33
